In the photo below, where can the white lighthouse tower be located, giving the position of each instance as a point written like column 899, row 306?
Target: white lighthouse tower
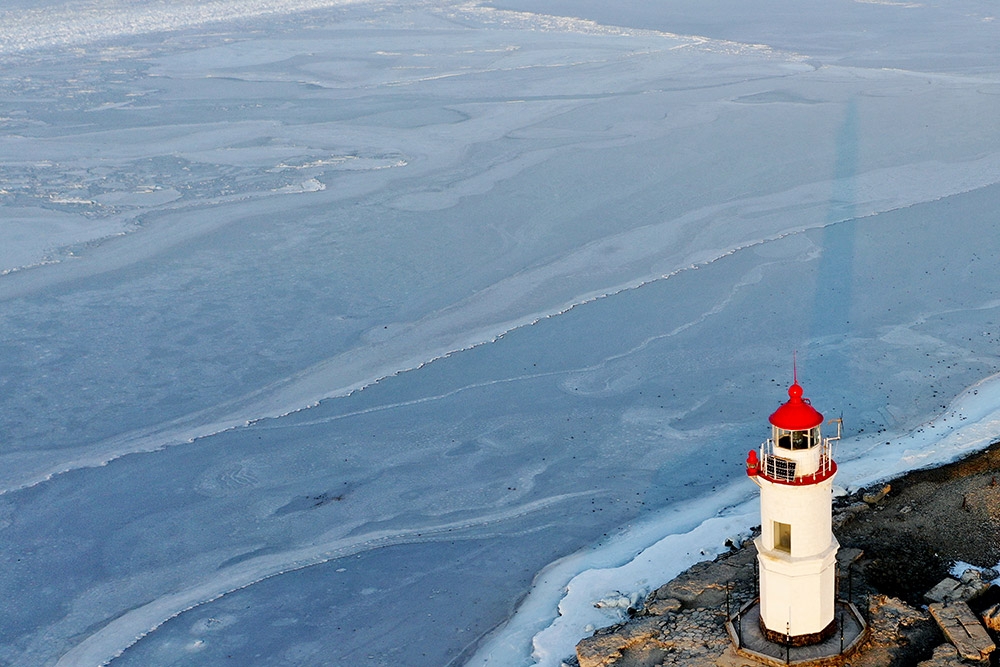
column 796, row 548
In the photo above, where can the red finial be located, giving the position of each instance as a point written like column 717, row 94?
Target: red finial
column 796, row 414
column 795, row 393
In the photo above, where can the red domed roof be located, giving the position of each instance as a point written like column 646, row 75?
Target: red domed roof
column 796, row 414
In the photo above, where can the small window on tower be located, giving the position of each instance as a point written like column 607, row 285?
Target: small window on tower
column 782, row 537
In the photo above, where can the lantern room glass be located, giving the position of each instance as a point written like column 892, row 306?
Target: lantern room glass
column 795, row 440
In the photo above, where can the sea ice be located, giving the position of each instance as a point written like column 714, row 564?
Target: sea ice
column 343, row 332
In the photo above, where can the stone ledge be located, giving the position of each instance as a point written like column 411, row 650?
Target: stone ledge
column 961, row 627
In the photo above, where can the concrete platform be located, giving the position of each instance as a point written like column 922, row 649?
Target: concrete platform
column 744, row 630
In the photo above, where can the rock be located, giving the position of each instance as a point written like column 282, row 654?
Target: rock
column 605, row 650
column 944, row 591
column 661, row 593
column 662, row 607
column 683, row 621
column 876, row 496
column 618, row 600
column 971, row 576
column 847, row 556
column 961, row 627
column 991, row 617
column 845, row 514
column 945, row 655
column 703, row 585
column 599, row 651
column 897, row 634
column 952, row 590
column 973, row 589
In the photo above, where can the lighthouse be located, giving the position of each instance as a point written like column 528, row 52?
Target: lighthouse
column 796, row 549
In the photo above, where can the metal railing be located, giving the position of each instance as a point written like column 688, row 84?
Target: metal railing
column 786, row 470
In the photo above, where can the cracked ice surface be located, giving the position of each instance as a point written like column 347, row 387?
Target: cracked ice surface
column 377, row 333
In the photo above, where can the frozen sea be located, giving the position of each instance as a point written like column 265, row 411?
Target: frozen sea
column 359, row 333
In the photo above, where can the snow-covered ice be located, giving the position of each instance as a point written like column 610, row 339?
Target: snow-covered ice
column 402, row 333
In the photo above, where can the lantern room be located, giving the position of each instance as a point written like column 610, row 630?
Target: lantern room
column 796, row 452
column 795, row 425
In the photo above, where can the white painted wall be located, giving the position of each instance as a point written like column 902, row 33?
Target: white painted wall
column 797, row 588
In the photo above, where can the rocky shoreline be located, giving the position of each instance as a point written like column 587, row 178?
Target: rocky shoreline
column 897, row 542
